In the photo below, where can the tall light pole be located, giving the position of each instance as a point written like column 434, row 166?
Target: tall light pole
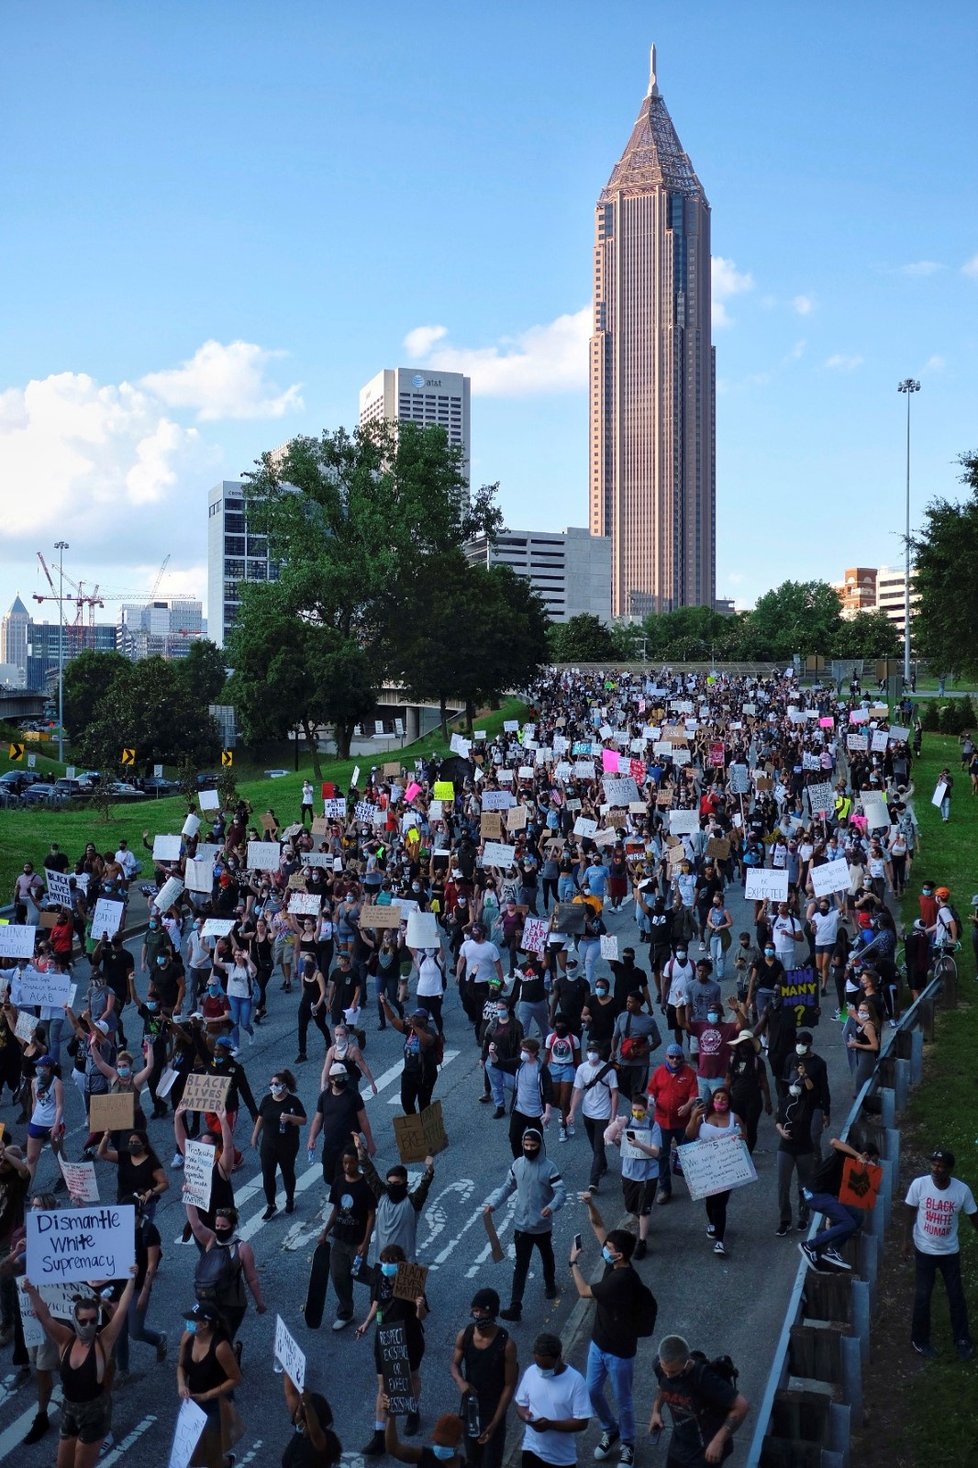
column 61, row 546
column 909, row 387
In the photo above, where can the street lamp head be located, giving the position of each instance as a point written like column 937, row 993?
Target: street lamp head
column 908, row 385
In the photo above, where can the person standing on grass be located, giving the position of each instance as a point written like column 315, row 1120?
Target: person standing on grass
column 933, row 1204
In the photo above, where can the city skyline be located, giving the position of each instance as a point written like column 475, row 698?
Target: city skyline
column 233, row 275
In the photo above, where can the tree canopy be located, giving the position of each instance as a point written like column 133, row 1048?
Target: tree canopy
column 149, row 707
column 583, row 639
column 203, row 670
column 87, row 681
column 945, row 555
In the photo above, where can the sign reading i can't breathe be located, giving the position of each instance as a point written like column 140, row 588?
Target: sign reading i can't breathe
column 80, row 1243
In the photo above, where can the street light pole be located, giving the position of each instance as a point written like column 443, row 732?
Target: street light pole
column 909, row 387
column 61, row 546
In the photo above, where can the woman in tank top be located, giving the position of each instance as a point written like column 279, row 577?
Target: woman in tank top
column 207, row 1373
column 710, row 1119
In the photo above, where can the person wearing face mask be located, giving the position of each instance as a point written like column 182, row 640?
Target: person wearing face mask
column 348, row 1229
column 678, row 974
column 485, row 1368
column 313, row 1443
column 533, row 1089
column 169, row 979
column 123, row 1078
column 863, row 1045
column 796, row 1154
column 711, row 1119
column 502, row 1035
column 765, row 977
column 47, row 1109
column 398, row 1208
column 345, row 1049
column 281, row 1117
column 339, row 1113
column 225, row 1266
column 388, row 1309
column 706, row 1408
column 215, row 1006
column 635, row 1036
column 155, row 942
column 149, row 1252
column 810, row 1069
column 446, row 1442
column 540, row 1193
column 640, row 1143
column 84, row 1365
column 207, row 1373
column 824, row 918
column 562, row 1054
column 600, row 1013
column 139, row 1172
column 596, row 1094
column 552, row 1399
column 344, row 992
column 712, row 1036
column 674, row 1089
column 312, row 1003
column 222, row 1144
column 747, row 1081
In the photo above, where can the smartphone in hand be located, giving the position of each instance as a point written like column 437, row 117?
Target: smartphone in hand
column 578, row 1242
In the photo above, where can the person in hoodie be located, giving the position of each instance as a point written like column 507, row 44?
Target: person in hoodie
column 398, row 1207
column 540, row 1193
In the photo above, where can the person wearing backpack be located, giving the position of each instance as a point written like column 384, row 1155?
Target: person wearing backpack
column 596, row 1094
column 226, row 1264
column 635, row 1036
column 625, row 1309
column 485, row 1368
column 703, row 1401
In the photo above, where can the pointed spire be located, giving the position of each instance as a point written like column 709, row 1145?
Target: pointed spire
column 18, row 609
column 653, row 90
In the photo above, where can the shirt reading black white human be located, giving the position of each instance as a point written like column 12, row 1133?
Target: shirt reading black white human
column 552, row 1400
column 484, row 1368
column 934, row 1204
column 706, row 1409
column 540, row 1193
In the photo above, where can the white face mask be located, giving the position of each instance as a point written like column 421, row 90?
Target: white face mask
column 801, row 1049
column 594, row 1056
column 525, row 1056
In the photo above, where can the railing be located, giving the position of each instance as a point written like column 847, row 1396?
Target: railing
column 813, row 1397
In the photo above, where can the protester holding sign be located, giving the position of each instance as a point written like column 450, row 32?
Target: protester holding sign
column 47, row 1113
column 140, row 1172
column 207, row 1373
column 388, row 1308
column 714, row 1119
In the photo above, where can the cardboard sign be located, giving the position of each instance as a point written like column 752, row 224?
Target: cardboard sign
column 205, row 1092
column 420, row 1136
column 534, row 939
column 570, row 917
column 861, row 1183
column 168, row 893
column 264, row 856
column 495, row 1247
column 198, row 1174
column 66, row 1244
column 199, row 876
column 683, row 822
column 17, row 940
column 609, row 946
column 59, row 888
column 497, row 854
column 80, row 1180
column 516, row 818
column 167, row 848
column 715, row 1166
column 490, row 824
column 380, row 915
column 208, row 800
column 831, row 876
column 191, row 1421
column 216, row 927
column 113, row 1112
column 396, row 1369
column 718, row 848
column 765, row 883
column 422, row 930
column 289, row 1356
column 320, row 826
column 305, row 902
column 410, row 1280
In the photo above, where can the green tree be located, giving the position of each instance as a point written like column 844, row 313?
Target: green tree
column 797, row 616
column 945, row 555
column 151, row 710
column 582, row 639
column 88, row 679
column 867, row 635
column 203, row 670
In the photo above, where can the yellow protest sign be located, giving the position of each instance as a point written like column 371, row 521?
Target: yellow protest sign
column 444, row 790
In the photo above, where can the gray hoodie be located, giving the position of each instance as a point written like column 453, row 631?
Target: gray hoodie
column 537, row 1185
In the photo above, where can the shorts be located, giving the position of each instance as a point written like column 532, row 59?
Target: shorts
column 824, row 947
column 88, row 1421
column 672, row 1019
column 561, row 1073
column 43, row 1357
column 638, row 1195
column 42, row 1133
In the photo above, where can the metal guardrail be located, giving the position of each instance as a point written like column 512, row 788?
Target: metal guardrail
column 813, row 1394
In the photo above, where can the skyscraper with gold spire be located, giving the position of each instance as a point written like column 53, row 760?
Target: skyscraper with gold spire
column 652, row 379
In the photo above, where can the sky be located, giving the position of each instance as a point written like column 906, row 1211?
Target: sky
column 221, row 219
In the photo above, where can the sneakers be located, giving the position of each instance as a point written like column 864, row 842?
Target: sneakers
column 606, row 1443
column 663, row 1199
column 290, row 1205
column 720, row 1248
column 512, row 1313
column 499, row 1113
column 177, row 1162
column 640, row 1250
column 831, row 1256
column 299, row 1059
column 626, row 1456
column 484, row 1100
column 782, row 1231
column 804, row 1222
column 551, row 1292
column 412, row 1424
column 342, row 1321
column 811, row 1255
column 562, row 1134
column 926, row 1351
column 270, row 1212
column 571, row 1129
column 711, row 1230
column 37, row 1429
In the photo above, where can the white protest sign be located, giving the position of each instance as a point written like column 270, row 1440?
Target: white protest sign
column 681, row 757
column 190, row 826
column 322, row 859
column 897, row 734
column 31, row 1326
column 80, row 1179
column 662, row 747
column 422, row 930
column 198, row 1175
column 497, row 854
column 821, row 799
column 510, row 726
column 168, row 893
column 857, row 742
column 479, row 734
column 436, row 810
column 585, row 827
column 25, row 1026
column 498, row 800
column 208, row 800
column 217, row 927
column 939, row 793
column 831, row 876
column 620, row 790
column 207, row 851
column 199, row 876
column 59, row 888
column 766, row 883
column 304, row 902
column 739, row 779
column 874, row 809
column 879, row 741
column 66, row 1244
column 459, row 745
column 34, row 988
column 525, row 772
column 288, row 1354
column 191, row 1421
column 583, row 769
column 505, row 777
column 534, row 939
column 609, row 946
column 166, row 848
column 335, row 809
column 628, row 1149
column 364, row 812
column 17, row 940
column 859, row 716
column 107, row 917
column 355, row 777
column 715, row 1166
column 683, row 822
column 263, row 856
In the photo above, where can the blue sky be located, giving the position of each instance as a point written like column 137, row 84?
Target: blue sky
column 220, row 219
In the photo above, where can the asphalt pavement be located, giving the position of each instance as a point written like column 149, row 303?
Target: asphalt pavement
column 734, row 1305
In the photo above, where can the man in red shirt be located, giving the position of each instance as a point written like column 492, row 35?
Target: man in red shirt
column 713, row 1036
column 674, row 1088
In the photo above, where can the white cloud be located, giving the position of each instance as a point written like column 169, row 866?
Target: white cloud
column 726, row 281
column 542, row 359
column 803, row 305
column 970, row 267
column 419, row 342
column 797, row 351
column 841, row 362
column 921, row 268
column 224, row 382
column 934, row 364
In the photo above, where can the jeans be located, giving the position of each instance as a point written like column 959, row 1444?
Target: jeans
column 601, row 1367
column 787, row 1163
column 845, row 1220
column 717, row 955
column 523, row 1243
column 240, row 1018
column 670, row 1135
column 500, row 1081
column 537, row 1011
column 950, row 1269
column 589, row 951
column 709, row 1085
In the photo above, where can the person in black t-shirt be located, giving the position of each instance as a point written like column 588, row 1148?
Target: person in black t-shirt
column 348, row 1229
column 706, row 1409
column 387, row 1308
column 313, row 1443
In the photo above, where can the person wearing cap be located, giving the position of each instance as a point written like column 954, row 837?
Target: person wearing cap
column 933, row 1205
column 540, row 1193
column 420, row 1070
column 445, row 1447
column 674, row 1088
column 533, row 1089
column 207, row 1373
column 47, row 1114
column 339, row 1113
column 640, row 1142
column 747, row 1083
column 944, row 929
column 552, row 1400
column 484, row 1368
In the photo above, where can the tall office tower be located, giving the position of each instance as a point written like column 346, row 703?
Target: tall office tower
column 424, row 396
column 652, row 409
column 235, row 553
column 14, row 637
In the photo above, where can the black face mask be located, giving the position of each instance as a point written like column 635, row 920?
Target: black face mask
column 397, row 1192
column 532, row 1153
column 223, row 1232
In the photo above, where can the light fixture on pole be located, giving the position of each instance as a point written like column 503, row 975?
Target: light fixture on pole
column 909, row 387
column 61, row 546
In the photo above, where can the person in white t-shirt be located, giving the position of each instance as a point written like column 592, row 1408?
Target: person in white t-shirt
column 824, row 917
column 553, row 1400
column 786, row 931
column 933, row 1204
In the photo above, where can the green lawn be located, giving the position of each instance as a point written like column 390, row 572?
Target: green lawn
column 27, row 834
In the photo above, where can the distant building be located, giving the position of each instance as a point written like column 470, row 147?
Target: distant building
column 14, row 637
column 725, row 605
column 857, row 590
column 891, row 595
column 571, row 570
column 12, row 677
column 235, row 554
column 45, row 640
column 424, row 396
column 166, row 628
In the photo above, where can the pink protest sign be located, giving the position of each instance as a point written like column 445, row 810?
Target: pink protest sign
column 826, row 723
column 414, row 789
column 609, row 761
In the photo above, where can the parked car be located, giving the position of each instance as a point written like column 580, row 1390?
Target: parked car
column 18, row 781
column 120, row 790
column 207, row 782
column 41, row 791
column 157, row 785
column 75, row 789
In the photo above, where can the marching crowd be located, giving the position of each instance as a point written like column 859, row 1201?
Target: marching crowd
column 492, row 876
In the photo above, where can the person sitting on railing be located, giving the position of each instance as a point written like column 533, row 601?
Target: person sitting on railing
column 841, row 1219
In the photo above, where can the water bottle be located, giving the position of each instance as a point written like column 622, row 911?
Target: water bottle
column 473, row 1426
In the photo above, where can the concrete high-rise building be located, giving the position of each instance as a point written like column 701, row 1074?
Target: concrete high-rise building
column 891, row 595
column 166, row 628
column 570, row 570
column 235, row 553
column 652, row 405
column 424, row 396
column 14, row 638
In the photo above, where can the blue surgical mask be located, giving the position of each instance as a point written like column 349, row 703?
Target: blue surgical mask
column 442, row 1452
column 125, row 1071
column 151, row 1005
column 190, row 1326
column 388, row 1270
column 607, row 1255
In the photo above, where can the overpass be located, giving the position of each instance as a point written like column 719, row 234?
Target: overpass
column 19, row 703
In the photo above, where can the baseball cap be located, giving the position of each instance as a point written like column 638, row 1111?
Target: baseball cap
column 225, row 1040
column 45, row 1060
column 337, row 1068
column 101, row 1025
column 674, row 1050
column 943, row 893
column 420, row 1014
column 486, row 1300
column 738, row 1039
column 939, row 1154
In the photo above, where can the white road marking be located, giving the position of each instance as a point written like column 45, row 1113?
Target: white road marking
column 251, row 1454
column 13, row 1436
column 475, row 1217
column 132, row 1436
column 434, row 1214
column 450, row 1055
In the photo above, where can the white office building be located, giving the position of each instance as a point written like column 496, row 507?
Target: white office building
column 424, row 396
column 570, row 569
column 891, row 595
column 163, row 628
column 234, row 555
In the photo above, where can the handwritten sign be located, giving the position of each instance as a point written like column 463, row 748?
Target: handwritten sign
column 939, row 793
column 490, row 824
column 534, row 939
column 857, row 742
column 422, row 930
column 683, row 822
column 609, row 946
column 380, row 915
column 418, row 1136
column 59, row 888
column 199, row 876
column 410, row 1281
column 191, row 1421
column 621, row 790
column 25, row 1026
column 831, row 876
column 205, row 1092
column 17, row 940
column 821, row 799
column 168, row 893
column 112, row 1112
column 80, row 1180
column 799, row 991
column 516, row 818
column 166, row 848
column 716, row 1166
column 396, row 1369
column 335, row 808
column 496, row 800
column 898, row 735
column 263, row 856
column 217, row 927
column 198, row 1175
column 80, row 1243
column 49, row 989
column 304, row 902
column 718, row 848
column 289, row 1356
column 766, row 884
column 498, row 854
column 583, row 826
column 444, row 790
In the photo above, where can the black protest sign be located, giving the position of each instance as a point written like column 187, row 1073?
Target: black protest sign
column 396, row 1369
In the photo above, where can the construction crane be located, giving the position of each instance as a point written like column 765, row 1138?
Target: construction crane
column 144, row 596
column 81, row 598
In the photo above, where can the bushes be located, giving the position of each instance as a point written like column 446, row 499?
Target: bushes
column 951, row 716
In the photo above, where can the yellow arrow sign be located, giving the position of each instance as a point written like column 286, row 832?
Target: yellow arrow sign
column 227, row 758
column 128, row 757
column 15, row 751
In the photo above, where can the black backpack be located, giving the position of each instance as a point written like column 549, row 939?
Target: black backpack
column 721, row 1366
column 218, row 1278
column 644, row 1309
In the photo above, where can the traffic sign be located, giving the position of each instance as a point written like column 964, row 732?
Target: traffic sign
column 227, row 758
column 15, row 752
column 128, row 757
column 32, row 761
